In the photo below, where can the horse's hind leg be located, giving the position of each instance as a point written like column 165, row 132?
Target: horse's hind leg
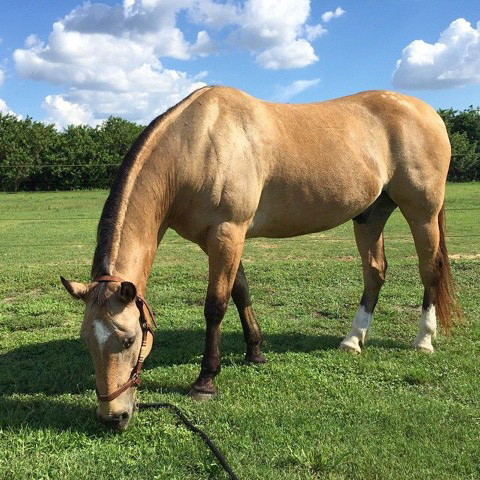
column 428, row 232
column 224, row 245
column 426, row 243
column 368, row 229
column 251, row 330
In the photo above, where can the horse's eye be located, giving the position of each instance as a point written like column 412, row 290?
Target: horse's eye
column 128, row 341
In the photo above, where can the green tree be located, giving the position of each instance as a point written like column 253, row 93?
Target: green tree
column 25, row 145
column 464, row 131
column 465, row 164
column 115, row 136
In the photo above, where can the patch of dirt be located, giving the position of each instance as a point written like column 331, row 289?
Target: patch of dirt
column 346, row 258
column 456, row 256
column 464, row 256
column 267, row 245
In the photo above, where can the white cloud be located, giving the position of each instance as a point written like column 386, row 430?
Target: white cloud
column 286, row 93
column 3, row 107
column 93, row 60
column 275, row 27
column 63, row 113
column 327, row 16
column 32, row 41
column 2, row 77
column 108, row 59
column 214, row 15
column 315, row 31
column 268, row 23
column 296, row 54
column 155, row 92
column 5, row 110
column 273, row 31
column 204, row 45
column 453, row 61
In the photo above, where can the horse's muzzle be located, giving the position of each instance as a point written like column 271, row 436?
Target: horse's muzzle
column 116, row 422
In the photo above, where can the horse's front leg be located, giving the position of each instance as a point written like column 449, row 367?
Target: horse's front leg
column 224, row 245
column 251, row 330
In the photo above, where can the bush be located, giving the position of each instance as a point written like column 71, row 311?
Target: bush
column 34, row 156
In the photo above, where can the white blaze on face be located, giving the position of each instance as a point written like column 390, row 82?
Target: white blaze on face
column 102, row 333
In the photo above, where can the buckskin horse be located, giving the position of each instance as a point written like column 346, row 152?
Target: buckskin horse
column 222, row 166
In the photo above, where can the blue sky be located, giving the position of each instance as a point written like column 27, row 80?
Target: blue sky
column 73, row 62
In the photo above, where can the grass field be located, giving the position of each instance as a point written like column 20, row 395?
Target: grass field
column 311, row 412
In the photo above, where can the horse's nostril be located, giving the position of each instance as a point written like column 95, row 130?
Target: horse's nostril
column 117, row 421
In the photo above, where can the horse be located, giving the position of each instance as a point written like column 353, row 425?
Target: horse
column 222, row 166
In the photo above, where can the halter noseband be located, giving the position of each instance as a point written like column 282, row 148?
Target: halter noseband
column 146, row 320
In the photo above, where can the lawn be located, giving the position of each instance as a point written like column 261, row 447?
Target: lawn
column 311, row 412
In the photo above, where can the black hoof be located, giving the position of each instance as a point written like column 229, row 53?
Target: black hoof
column 257, row 358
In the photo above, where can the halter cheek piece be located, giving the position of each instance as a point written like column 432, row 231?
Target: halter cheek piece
column 146, row 321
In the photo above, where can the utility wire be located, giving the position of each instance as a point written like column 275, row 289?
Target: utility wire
column 185, row 242
column 64, row 165
column 17, row 219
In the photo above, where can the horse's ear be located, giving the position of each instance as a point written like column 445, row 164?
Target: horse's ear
column 128, row 292
column 75, row 289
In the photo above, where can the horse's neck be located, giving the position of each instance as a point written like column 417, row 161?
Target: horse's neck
column 135, row 224
column 137, row 253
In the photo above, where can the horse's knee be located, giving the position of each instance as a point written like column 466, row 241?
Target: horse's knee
column 215, row 309
column 376, row 275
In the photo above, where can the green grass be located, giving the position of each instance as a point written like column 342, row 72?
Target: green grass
column 311, row 412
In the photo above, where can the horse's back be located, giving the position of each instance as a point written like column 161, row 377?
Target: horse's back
column 291, row 169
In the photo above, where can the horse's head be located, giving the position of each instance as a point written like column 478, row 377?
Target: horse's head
column 116, row 328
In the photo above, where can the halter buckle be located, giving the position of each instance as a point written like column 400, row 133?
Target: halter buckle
column 136, row 381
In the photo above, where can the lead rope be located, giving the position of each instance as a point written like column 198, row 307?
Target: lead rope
column 135, row 379
column 194, row 429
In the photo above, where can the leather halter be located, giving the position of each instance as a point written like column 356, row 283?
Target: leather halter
column 146, row 321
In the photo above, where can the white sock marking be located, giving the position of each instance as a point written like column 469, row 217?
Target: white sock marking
column 427, row 328
column 358, row 333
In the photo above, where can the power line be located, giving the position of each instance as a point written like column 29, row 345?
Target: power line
column 186, row 242
column 68, row 165
column 52, row 165
column 16, row 219
column 47, row 219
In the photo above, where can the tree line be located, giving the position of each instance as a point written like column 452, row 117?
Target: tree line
column 35, row 156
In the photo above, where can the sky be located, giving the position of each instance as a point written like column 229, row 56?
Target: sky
column 72, row 62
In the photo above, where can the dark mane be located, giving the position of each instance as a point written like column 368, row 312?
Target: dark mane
column 110, row 209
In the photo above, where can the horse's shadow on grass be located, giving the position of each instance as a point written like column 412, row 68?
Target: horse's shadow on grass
column 52, row 412
column 43, row 371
